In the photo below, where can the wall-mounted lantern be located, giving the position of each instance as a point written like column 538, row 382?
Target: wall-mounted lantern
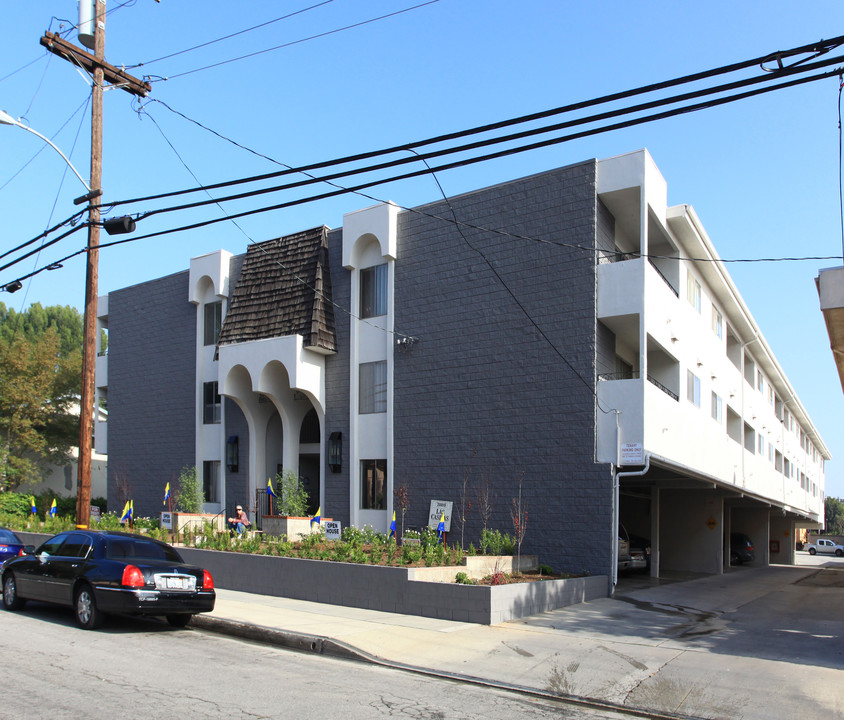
column 335, row 451
column 232, row 454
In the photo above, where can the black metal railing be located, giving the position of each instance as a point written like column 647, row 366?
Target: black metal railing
column 662, row 387
column 634, row 375
column 665, row 279
column 262, row 507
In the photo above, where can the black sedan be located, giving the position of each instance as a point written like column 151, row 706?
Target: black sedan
column 97, row 573
column 10, row 545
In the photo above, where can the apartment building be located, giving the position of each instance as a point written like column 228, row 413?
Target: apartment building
column 566, row 334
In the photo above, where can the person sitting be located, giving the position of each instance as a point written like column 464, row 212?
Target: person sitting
column 239, row 522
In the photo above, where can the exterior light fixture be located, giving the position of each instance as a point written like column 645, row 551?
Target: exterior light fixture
column 335, row 451
column 13, row 286
column 232, row 454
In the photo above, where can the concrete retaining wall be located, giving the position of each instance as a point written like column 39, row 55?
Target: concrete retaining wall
column 389, row 589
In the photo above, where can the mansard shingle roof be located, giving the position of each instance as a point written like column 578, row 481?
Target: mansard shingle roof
column 284, row 289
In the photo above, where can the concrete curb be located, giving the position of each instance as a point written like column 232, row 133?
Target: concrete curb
column 320, row 645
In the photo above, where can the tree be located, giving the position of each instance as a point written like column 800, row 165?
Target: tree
column 834, row 516
column 40, row 369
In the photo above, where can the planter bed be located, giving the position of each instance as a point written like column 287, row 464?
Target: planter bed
column 389, row 589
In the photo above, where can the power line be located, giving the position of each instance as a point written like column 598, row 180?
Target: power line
column 819, row 48
column 295, row 42
column 312, row 179
column 229, row 36
column 824, row 47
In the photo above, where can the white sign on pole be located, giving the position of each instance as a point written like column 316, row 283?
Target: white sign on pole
column 632, row 454
column 167, row 520
column 438, row 508
column 333, row 529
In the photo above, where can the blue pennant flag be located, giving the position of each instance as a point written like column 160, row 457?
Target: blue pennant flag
column 34, row 509
column 127, row 512
column 270, row 488
column 53, row 509
column 393, row 525
column 316, row 518
column 166, row 494
column 441, row 527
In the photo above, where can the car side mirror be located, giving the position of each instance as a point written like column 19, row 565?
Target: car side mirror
column 28, row 549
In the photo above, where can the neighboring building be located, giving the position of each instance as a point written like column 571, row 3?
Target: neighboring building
column 62, row 479
column 545, row 331
column 830, row 285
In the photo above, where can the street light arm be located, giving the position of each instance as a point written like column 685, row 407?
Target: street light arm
column 6, row 119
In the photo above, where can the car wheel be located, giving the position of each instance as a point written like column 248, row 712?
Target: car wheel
column 812, row 551
column 88, row 616
column 11, row 599
column 179, row 621
column 839, row 553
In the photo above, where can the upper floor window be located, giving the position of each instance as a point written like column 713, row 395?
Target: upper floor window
column 693, row 291
column 211, row 403
column 213, row 322
column 373, row 291
column 373, row 387
column 693, row 388
column 717, row 408
column 760, row 381
column 717, row 323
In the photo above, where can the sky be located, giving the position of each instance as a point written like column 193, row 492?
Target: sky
column 762, row 174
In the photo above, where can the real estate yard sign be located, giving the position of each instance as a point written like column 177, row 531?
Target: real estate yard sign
column 438, row 509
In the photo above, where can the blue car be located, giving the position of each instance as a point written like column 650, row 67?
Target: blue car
column 10, row 545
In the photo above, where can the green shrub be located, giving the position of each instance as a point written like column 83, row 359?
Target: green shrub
column 190, row 498
column 546, row 570
column 292, row 497
column 463, row 579
column 12, row 503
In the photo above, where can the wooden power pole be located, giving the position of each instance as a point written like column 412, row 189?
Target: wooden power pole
column 101, row 72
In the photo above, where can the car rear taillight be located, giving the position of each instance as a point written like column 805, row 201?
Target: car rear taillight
column 133, row 577
column 750, row 547
column 207, row 580
column 21, row 553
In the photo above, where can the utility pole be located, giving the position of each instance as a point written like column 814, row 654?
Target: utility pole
column 100, row 71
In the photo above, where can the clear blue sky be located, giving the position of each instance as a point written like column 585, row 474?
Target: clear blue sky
column 762, row 174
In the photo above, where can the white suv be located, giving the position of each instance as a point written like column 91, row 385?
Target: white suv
column 822, row 545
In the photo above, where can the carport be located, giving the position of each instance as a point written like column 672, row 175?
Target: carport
column 689, row 519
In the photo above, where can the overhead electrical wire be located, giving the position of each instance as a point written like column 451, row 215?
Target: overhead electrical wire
column 820, row 48
column 229, row 36
column 311, row 179
column 292, row 42
column 461, row 163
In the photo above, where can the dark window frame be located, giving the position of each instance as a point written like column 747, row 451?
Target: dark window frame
column 373, row 484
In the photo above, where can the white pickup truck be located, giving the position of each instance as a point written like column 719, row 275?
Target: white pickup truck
column 822, row 545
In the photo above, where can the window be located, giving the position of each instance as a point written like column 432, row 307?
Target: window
column 717, row 323
column 693, row 292
column 373, row 291
column 717, row 412
column 211, row 403
column 211, row 480
column 693, row 388
column 760, row 381
column 761, row 449
column 213, row 321
column 373, row 387
column 373, row 484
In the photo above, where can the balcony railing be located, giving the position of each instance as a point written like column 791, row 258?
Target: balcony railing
column 665, row 279
column 635, row 376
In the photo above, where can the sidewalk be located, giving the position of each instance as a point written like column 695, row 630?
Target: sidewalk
column 732, row 646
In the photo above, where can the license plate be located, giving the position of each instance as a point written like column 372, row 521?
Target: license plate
column 175, row 582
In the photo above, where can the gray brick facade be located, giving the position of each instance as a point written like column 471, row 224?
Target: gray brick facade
column 482, row 394
column 151, row 366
